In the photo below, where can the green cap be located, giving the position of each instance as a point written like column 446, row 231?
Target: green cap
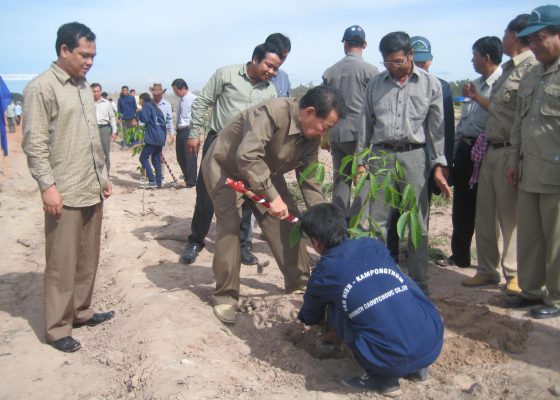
column 540, row 18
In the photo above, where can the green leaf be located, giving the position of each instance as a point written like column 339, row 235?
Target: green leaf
column 402, row 223
column 375, row 228
column 357, row 233
column 360, row 183
column 395, row 197
column 405, row 201
column 399, row 169
column 373, row 187
column 320, row 175
column 344, row 163
column 355, row 220
column 308, row 171
column 415, row 229
column 295, row 236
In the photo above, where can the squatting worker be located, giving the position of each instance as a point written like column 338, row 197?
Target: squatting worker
column 65, row 156
column 258, row 147
column 536, row 164
column 391, row 327
column 402, row 115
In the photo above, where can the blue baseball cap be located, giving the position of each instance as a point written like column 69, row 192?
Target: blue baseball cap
column 422, row 48
column 540, row 18
column 355, row 33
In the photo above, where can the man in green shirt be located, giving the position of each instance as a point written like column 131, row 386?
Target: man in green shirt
column 229, row 91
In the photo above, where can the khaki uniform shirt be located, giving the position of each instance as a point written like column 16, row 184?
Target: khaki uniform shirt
column 503, row 99
column 263, row 143
column 228, row 92
column 535, row 136
column 408, row 114
column 61, row 138
column 350, row 76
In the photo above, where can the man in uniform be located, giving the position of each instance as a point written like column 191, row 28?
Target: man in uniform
column 496, row 208
column 65, row 156
column 258, row 147
column 536, row 168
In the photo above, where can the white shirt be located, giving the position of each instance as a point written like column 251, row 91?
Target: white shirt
column 184, row 110
column 105, row 114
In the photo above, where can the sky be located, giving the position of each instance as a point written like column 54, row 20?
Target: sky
column 145, row 41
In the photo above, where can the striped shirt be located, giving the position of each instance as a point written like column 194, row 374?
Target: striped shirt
column 61, row 138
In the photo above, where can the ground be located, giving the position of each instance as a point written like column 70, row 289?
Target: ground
column 165, row 343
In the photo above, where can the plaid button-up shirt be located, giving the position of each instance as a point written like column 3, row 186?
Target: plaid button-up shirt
column 61, row 138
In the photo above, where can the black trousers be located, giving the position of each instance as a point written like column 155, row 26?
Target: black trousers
column 187, row 162
column 204, row 208
column 464, row 206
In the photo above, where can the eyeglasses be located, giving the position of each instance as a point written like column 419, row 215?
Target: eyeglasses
column 398, row 63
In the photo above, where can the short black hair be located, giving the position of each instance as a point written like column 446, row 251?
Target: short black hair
column 268, row 47
column 280, row 40
column 353, row 43
column 394, row 42
column 70, row 33
column 145, row 97
column 105, row 95
column 180, row 83
column 517, row 25
column 95, row 84
column 490, row 46
column 124, row 87
column 326, row 223
column 324, row 99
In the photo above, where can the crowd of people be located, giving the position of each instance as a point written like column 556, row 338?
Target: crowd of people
column 502, row 160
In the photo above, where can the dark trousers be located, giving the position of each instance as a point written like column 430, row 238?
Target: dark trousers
column 204, row 208
column 155, row 153
column 464, row 206
column 187, row 161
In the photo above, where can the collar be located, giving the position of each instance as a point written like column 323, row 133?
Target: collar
column 295, row 127
column 244, row 74
column 63, row 76
column 493, row 77
column 518, row 59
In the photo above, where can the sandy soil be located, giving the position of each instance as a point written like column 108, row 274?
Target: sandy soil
column 165, row 343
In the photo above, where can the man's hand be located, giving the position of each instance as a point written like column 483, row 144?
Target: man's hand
column 361, row 170
column 108, row 191
column 512, row 177
column 171, row 138
column 193, row 145
column 114, row 136
column 52, row 201
column 278, row 208
column 440, row 179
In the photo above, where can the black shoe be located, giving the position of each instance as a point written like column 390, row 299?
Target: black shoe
column 188, row 256
column 521, row 302
column 452, row 261
column 386, row 386
column 418, row 376
column 248, row 258
column 66, row 344
column 545, row 311
column 98, row 318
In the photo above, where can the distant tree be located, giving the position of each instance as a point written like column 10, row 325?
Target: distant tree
column 302, row 89
column 457, row 87
column 17, row 97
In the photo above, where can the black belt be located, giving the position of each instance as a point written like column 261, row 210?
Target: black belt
column 400, row 146
column 103, row 126
column 468, row 140
column 499, row 145
column 183, row 129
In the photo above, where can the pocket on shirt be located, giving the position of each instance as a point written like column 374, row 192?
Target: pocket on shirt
column 525, row 102
column 550, row 172
column 551, row 101
column 417, row 107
